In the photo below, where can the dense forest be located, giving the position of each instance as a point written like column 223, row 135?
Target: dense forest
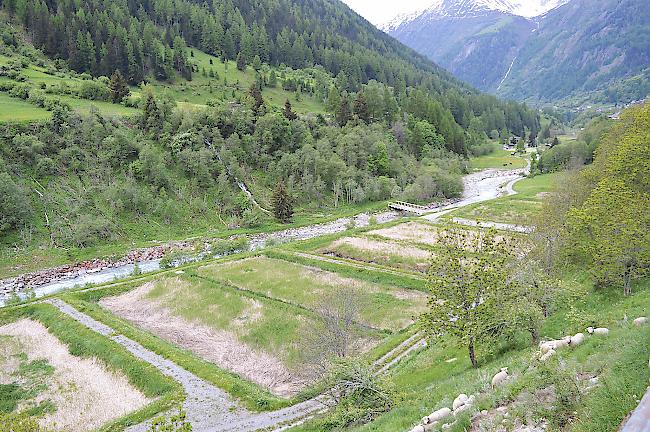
column 148, row 40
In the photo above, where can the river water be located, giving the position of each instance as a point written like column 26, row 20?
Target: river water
column 480, row 186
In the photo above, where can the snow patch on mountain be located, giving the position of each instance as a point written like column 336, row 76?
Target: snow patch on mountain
column 469, row 8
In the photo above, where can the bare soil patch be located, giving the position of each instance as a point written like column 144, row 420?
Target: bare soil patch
column 85, row 393
column 220, row 347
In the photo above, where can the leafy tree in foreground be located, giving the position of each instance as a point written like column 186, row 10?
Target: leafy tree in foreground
column 467, row 280
column 282, row 203
column 118, row 87
column 609, row 232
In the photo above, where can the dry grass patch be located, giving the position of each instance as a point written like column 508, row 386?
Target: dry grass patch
column 389, row 253
column 84, row 393
column 216, row 332
column 389, row 248
column 410, row 231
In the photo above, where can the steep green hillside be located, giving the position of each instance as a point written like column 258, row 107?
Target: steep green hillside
column 585, row 48
column 477, row 49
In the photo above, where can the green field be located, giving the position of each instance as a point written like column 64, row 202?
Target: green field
column 17, row 110
column 521, row 208
column 497, row 159
column 383, row 306
column 189, row 95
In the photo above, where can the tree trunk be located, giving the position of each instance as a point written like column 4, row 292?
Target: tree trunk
column 534, row 334
column 472, row 354
column 627, row 280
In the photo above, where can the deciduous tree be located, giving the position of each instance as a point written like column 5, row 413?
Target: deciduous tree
column 467, row 279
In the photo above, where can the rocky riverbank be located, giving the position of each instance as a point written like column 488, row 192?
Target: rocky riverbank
column 28, row 281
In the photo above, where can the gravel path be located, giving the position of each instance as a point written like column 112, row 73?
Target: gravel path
column 390, row 359
column 209, row 408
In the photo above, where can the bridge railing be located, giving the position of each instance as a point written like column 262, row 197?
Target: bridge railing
column 406, row 205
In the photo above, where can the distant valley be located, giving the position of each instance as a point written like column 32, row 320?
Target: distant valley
column 571, row 53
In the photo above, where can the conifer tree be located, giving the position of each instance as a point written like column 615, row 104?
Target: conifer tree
column 241, row 62
column 343, row 114
column 361, row 108
column 282, row 203
column 288, row 111
column 273, row 79
column 256, row 94
column 118, row 87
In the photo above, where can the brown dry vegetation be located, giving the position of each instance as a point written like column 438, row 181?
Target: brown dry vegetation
column 222, row 347
column 85, row 393
column 390, row 248
column 410, row 231
column 388, row 253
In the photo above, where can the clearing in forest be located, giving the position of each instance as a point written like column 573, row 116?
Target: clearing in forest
column 382, row 306
column 38, row 374
column 256, row 338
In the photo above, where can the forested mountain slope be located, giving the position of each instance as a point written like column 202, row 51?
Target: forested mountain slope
column 586, row 47
column 463, row 43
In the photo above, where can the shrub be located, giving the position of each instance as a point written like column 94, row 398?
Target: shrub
column 45, row 167
column 89, row 229
column 15, row 209
column 20, row 91
column 93, row 90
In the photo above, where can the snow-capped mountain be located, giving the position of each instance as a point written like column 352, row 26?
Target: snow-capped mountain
column 474, row 8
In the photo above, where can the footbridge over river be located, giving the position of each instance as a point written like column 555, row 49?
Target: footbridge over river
column 409, row 208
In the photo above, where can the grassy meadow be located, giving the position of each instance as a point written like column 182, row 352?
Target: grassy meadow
column 383, row 306
column 192, row 95
column 501, row 159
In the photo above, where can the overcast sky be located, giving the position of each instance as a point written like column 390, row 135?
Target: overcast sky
column 380, row 11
